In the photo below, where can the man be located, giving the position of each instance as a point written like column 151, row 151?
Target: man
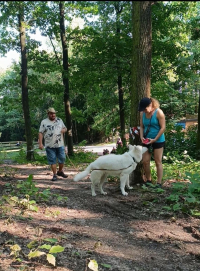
column 53, row 129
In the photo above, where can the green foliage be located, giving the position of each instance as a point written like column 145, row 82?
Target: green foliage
column 121, row 149
column 21, row 203
column 98, row 54
column 31, row 193
column 179, row 143
column 185, row 196
column 93, row 265
column 52, row 250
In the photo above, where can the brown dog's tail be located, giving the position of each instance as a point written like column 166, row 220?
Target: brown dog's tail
column 82, row 174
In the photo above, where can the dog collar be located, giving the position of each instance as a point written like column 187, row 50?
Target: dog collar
column 134, row 159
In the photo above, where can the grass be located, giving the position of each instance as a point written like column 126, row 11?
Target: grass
column 8, row 155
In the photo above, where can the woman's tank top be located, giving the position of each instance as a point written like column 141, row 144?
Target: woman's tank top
column 154, row 127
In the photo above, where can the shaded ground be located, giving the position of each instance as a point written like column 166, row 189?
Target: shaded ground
column 120, row 233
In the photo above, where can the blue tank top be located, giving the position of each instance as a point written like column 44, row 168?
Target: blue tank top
column 154, row 127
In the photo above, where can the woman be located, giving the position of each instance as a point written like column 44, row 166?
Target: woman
column 152, row 127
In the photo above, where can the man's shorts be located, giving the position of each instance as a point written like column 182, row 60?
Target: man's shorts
column 55, row 153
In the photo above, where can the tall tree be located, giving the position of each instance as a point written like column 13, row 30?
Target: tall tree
column 196, row 38
column 24, row 83
column 65, row 77
column 13, row 12
column 118, row 9
column 141, row 64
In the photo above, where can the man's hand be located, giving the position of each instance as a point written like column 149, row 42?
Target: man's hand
column 41, row 147
column 63, row 130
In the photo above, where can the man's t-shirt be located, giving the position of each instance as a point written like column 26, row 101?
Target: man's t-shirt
column 52, row 132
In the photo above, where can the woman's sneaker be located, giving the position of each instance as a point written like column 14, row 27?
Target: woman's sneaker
column 62, row 174
column 148, row 183
column 54, row 178
column 158, row 185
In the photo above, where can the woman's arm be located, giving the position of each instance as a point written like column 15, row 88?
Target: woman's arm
column 141, row 126
column 161, row 120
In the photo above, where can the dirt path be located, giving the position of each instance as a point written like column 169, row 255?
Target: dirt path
column 120, row 233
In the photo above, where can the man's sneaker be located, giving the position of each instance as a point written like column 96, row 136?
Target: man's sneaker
column 54, row 178
column 62, row 174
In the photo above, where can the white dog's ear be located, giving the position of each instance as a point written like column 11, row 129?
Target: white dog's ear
column 130, row 147
column 144, row 149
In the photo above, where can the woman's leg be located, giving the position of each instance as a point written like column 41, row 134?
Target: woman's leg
column 146, row 158
column 158, row 153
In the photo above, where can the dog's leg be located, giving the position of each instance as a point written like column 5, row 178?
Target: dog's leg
column 93, row 178
column 102, row 180
column 97, row 177
column 123, row 180
column 127, row 183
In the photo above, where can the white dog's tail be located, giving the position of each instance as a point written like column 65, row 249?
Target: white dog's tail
column 82, row 174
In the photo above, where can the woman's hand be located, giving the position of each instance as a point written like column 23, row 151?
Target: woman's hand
column 146, row 141
column 152, row 141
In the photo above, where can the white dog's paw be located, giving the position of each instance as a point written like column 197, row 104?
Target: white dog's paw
column 104, row 193
column 129, row 187
column 125, row 194
column 94, row 194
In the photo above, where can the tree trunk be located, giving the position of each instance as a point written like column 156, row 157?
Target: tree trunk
column 121, row 108
column 141, row 67
column 118, row 10
column 65, row 77
column 198, row 131
column 24, row 81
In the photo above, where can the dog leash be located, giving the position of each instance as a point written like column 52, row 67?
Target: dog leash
column 66, row 152
column 70, row 159
column 112, row 169
column 120, row 168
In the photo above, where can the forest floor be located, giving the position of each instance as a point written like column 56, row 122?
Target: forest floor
column 119, row 233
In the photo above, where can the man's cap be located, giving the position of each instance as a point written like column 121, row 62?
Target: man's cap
column 144, row 103
column 51, row 110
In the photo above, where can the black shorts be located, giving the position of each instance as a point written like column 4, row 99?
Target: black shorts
column 155, row 145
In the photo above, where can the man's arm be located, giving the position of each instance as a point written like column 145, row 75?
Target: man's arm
column 40, row 138
column 64, row 130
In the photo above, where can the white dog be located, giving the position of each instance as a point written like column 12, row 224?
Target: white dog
column 113, row 165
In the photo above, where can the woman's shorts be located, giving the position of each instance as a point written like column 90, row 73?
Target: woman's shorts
column 55, row 153
column 155, row 145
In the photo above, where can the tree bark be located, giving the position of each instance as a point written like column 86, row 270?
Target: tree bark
column 118, row 10
column 24, row 82
column 65, row 77
column 198, row 131
column 141, row 67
